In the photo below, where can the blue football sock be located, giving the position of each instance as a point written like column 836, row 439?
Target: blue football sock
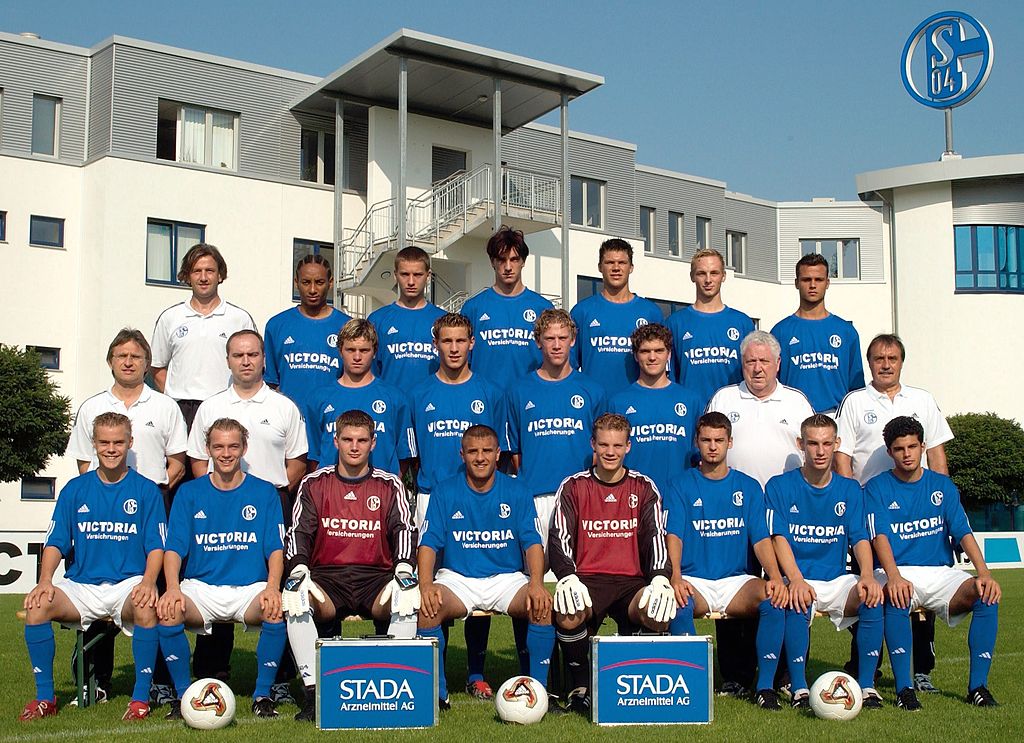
column 41, row 648
column 770, row 632
column 540, row 639
column 682, row 623
column 899, row 639
column 442, row 680
column 477, row 629
column 176, row 652
column 269, row 648
column 145, row 644
column 798, row 639
column 520, row 627
column 981, row 640
column 869, row 643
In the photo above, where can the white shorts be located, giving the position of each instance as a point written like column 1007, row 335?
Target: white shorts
column 220, row 603
column 96, row 601
column 832, row 597
column 720, row 592
column 493, row 593
column 545, row 505
column 422, row 501
column 934, row 588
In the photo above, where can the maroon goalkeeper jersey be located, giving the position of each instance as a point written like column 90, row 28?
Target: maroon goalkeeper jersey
column 337, row 521
column 601, row 528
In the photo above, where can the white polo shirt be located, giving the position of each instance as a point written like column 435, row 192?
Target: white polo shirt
column 193, row 348
column 764, row 432
column 276, row 431
column 158, row 431
column 863, row 414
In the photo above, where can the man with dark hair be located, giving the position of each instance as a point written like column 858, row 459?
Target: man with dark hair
column 406, row 355
column 660, row 412
column 862, row 416
column 915, row 520
column 606, row 544
column 715, row 515
column 302, row 342
column 822, row 357
column 188, row 340
column 605, row 321
column 351, row 548
column 503, row 314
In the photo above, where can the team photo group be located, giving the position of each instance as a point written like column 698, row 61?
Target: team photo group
column 420, row 466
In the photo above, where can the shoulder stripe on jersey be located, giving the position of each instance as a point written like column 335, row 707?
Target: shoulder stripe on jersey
column 240, row 309
column 405, row 551
column 561, row 527
column 179, row 304
column 288, row 540
column 839, row 410
column 799, row 392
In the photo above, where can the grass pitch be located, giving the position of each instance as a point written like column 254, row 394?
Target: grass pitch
column 945, row 715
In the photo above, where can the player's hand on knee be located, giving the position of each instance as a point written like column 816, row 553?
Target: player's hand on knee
column 571, row 596
column 402, row 592
column 39, row 596
column 270, row 604
column 659, row 599
column 683, row 591
column 801, row 595
column 538, row 603
column 988, row 590
column 900, row 590
column 144, row 595
column 776, row 592
column 169, row 605
column 430, row 600
column 870, row 592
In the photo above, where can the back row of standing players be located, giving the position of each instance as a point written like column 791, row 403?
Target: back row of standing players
column 407, row 368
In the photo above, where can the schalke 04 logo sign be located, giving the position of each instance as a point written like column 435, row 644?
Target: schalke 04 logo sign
column 946, row 60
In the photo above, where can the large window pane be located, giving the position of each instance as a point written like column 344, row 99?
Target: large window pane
column 309, row 157
column 964, row 281
column 703, row 233
column 44, row 125
column 329, row 158
column 158, row 252
column 986, row 281
column 193, row 135
column 46, row 231
column 576, row 201
column 830, row 252
column 807, row 247
column 593, row 204
column 851, row 259
column 986, row 248
column 964, row 256
column 647, row 228
column 223, row 140
column 675, row 230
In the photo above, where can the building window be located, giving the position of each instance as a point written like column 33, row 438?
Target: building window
column 989, row 258
column 735, row 250
column 703, row 233
column 49, row 358
column 189, row 134
column 586, row 202
column 166, row 244
column 843, row 255
column 3, row 227
column 39, row 488
column 45, row 124
column 318, row 156
column 302, row 248
column 647, row 227
column 675, row 233
column 46, row 232
column 446, row 162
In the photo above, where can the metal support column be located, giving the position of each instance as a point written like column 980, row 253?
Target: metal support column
column 497, row 193
column 566, row 194
column 339, row 169
column 403, row 134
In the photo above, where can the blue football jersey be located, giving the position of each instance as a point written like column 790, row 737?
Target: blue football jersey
column 923, row 520
column 706, row 349
column 381, row 401
column 480, row 534
column 603, row 350
column 821, row 358
column 661, row 429
column 111, row 528
column 549, row 426
column 718, row 522
column 821, row 524
column 504, row 349
column 302, row 353
column 406, row 354
column 225, row 537
column 441, row 413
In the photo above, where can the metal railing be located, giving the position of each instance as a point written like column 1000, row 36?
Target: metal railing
column 448, row 204
column 359, row 243
column 531, row 191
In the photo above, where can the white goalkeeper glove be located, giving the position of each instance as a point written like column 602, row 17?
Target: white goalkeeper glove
column 571, row 596
column 297, row 587
column 403, row 592
column 659, row 599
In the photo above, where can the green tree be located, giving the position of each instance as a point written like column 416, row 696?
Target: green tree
column 986, row 459
column 34, row 419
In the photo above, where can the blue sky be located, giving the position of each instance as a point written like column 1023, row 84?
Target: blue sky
column 782, row 100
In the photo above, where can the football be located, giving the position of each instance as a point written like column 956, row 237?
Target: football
column 208, row 704
column 836, row 696
column 522, row 700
